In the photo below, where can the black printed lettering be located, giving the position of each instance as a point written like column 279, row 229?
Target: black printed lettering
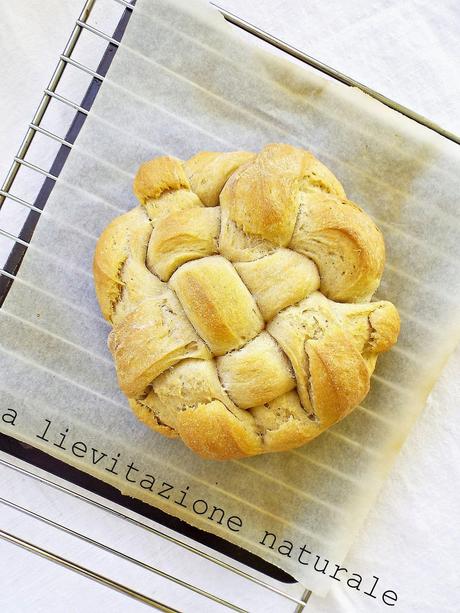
column 115, row 462
column 131, row 468
column 200, row 503
column 147, row 482
column 81, row 447
column 303, row 550
column 269, row 534
column 167, row 488
column 43, row 436
column 337, row 570
column 391, row 596
column 234, row 523
column 95, row 458
column 371, row 593
column 285, row 549
column 63, row 437
column 10, row 417
column 184, row 493
column 215, row 510
column 354, row 583
column 321, row 570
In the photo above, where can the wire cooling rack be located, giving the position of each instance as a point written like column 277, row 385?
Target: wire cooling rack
column 235, row 567
column 69, row 95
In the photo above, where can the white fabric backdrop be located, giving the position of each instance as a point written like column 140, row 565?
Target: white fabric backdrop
column 408, row 51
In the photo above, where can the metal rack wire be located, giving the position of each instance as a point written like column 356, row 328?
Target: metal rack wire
column 68, row 490
column 21, row 241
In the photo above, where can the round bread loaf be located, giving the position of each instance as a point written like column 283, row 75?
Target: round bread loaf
column 239, row 294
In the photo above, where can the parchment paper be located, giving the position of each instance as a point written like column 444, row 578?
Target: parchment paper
column 181, row 82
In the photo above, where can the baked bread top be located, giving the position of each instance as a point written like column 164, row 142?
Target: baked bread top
column 239, row 292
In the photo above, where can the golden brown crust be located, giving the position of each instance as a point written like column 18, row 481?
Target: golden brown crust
column 107, row 265
column 208, row 171
column 163, row 174
column 260, row 196
column 169, row 203
column 217, row 302
column 197, row 238
column 279, row 280
column 216, row 433
column 320, row 350
column 112, row 251
column 148, row 417
column 385, row 323
column 151, row 338
column 243, row 328
column 344, row 243
column 284, row 424
column 256, row 373
column 338, row 377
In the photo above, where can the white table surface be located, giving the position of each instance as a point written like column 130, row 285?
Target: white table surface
column 408, row 51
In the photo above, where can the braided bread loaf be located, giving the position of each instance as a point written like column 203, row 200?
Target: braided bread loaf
column 239, row 297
